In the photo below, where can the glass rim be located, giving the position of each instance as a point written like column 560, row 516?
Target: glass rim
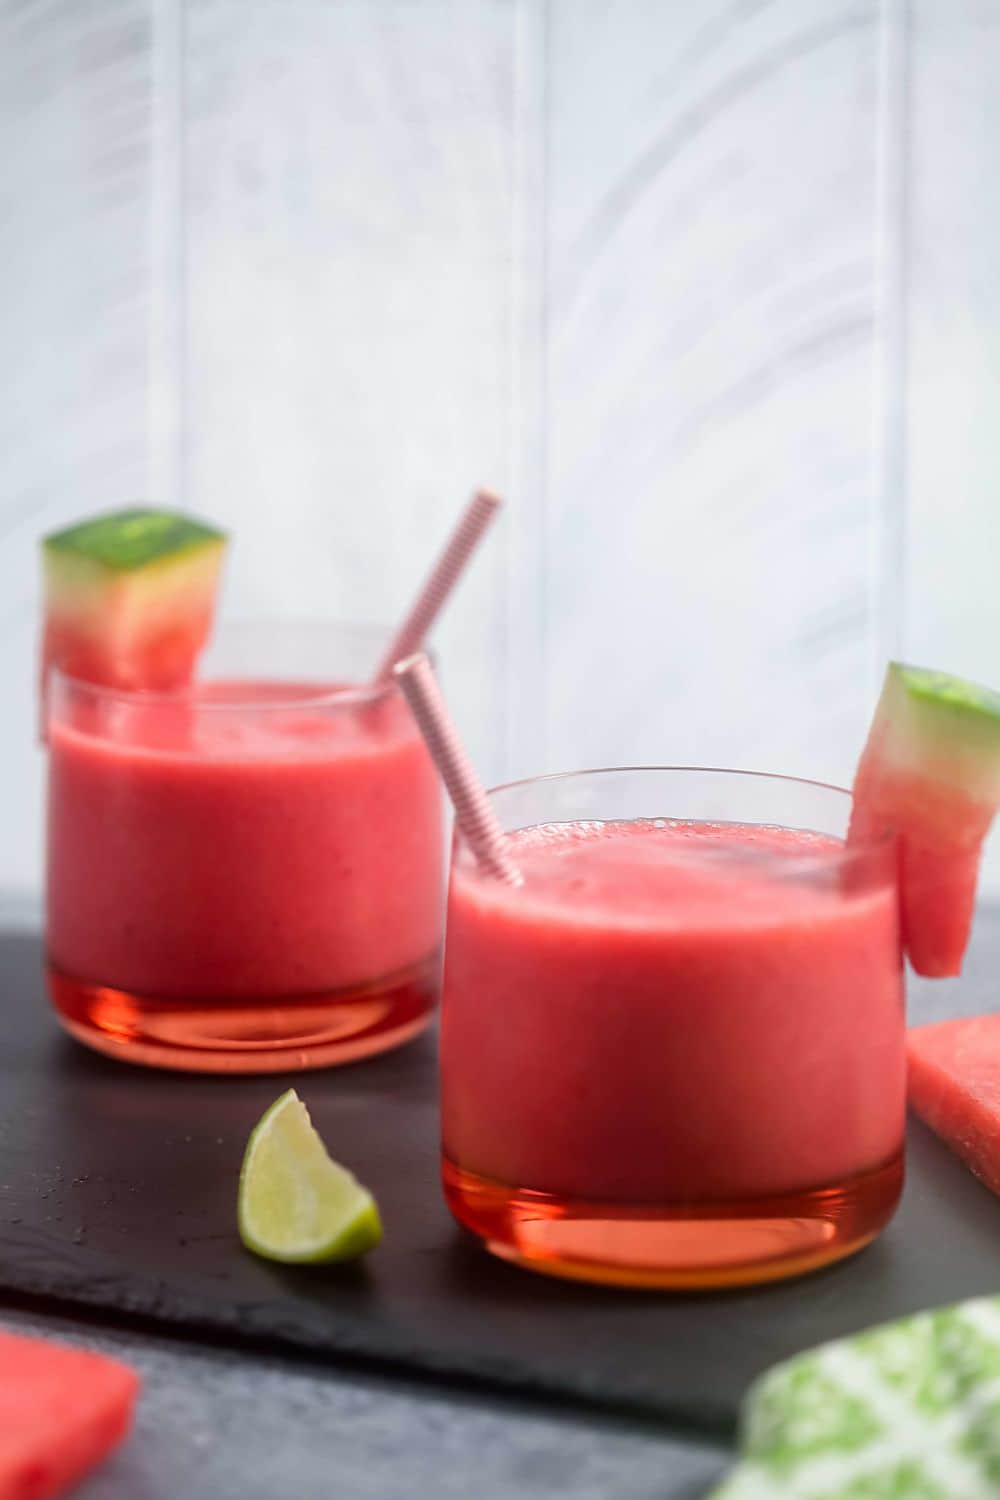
column 822, row 786
column 340, row 697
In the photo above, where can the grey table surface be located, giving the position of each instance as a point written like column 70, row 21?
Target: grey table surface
column 219, row 1424
column 213, row 1424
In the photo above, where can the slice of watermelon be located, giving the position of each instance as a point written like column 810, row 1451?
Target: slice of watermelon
column 61, row 1411
column 954, row 1084
column 930, row 776
column 129, row 597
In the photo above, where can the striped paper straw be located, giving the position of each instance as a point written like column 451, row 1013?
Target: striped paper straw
column 475, row 817
column 447, row 571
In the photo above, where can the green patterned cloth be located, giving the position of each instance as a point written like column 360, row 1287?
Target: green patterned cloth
column 908, row 1411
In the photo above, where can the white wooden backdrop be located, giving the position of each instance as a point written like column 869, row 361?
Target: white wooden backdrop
column 709, row 290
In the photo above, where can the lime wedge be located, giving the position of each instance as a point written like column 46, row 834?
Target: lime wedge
column 295, row 1204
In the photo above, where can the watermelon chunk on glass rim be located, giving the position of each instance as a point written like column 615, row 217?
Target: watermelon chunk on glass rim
column 929, row 776
column 129, row 598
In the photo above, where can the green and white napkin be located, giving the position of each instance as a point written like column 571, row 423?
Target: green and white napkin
column 907, row 1411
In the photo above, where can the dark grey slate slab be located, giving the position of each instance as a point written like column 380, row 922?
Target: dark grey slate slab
column 117, row 1191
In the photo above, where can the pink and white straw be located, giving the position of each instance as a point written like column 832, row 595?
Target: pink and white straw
column 475, row 817
column 447, row 570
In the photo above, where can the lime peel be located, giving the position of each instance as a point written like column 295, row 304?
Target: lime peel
column 296, row 1205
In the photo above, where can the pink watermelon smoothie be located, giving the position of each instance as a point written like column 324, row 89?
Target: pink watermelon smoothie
column 673, row 1011
column 248, row 840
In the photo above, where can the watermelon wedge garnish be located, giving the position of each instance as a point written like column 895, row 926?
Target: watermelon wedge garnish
column 954, row 1085
column 129, row 597
column 61, row 1412
column 930, row 777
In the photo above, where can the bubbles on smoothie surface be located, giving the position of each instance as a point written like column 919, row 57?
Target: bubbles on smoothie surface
column 652, row 866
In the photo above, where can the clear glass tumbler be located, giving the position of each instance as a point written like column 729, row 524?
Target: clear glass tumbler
column 245, row 876
column 674, row 1056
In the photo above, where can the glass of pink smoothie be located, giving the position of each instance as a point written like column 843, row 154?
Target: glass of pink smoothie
column 674, row 1056
column 245, row 876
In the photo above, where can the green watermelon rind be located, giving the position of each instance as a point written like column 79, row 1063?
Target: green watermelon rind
column 125, row 541
column 952, row 698
column 944, row 726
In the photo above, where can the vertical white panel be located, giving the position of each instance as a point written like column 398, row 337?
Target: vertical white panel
column 526, row 582
column 74, row 252
column 710, row 506
column 952, row 543
column 348, row 181
column 952, row 598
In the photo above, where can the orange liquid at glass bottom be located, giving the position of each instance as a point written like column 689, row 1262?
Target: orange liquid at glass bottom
column 273, row 1034
column 686, row 1246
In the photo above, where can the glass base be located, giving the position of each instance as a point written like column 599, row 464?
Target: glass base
column 270, row 1035
column 695, row 1246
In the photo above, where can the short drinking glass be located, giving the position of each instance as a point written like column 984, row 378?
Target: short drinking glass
column 245, row 876
column 674, row 1056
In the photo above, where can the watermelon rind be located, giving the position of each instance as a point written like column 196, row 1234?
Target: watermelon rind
column 127, row 539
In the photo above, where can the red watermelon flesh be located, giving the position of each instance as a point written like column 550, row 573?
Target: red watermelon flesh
column 61, row 1412
column 129, row 597
column 940, row 899
column 929, row 777
column 954, row 1084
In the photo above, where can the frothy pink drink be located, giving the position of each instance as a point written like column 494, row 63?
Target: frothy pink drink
column 252, row 843
column 672, row 1012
